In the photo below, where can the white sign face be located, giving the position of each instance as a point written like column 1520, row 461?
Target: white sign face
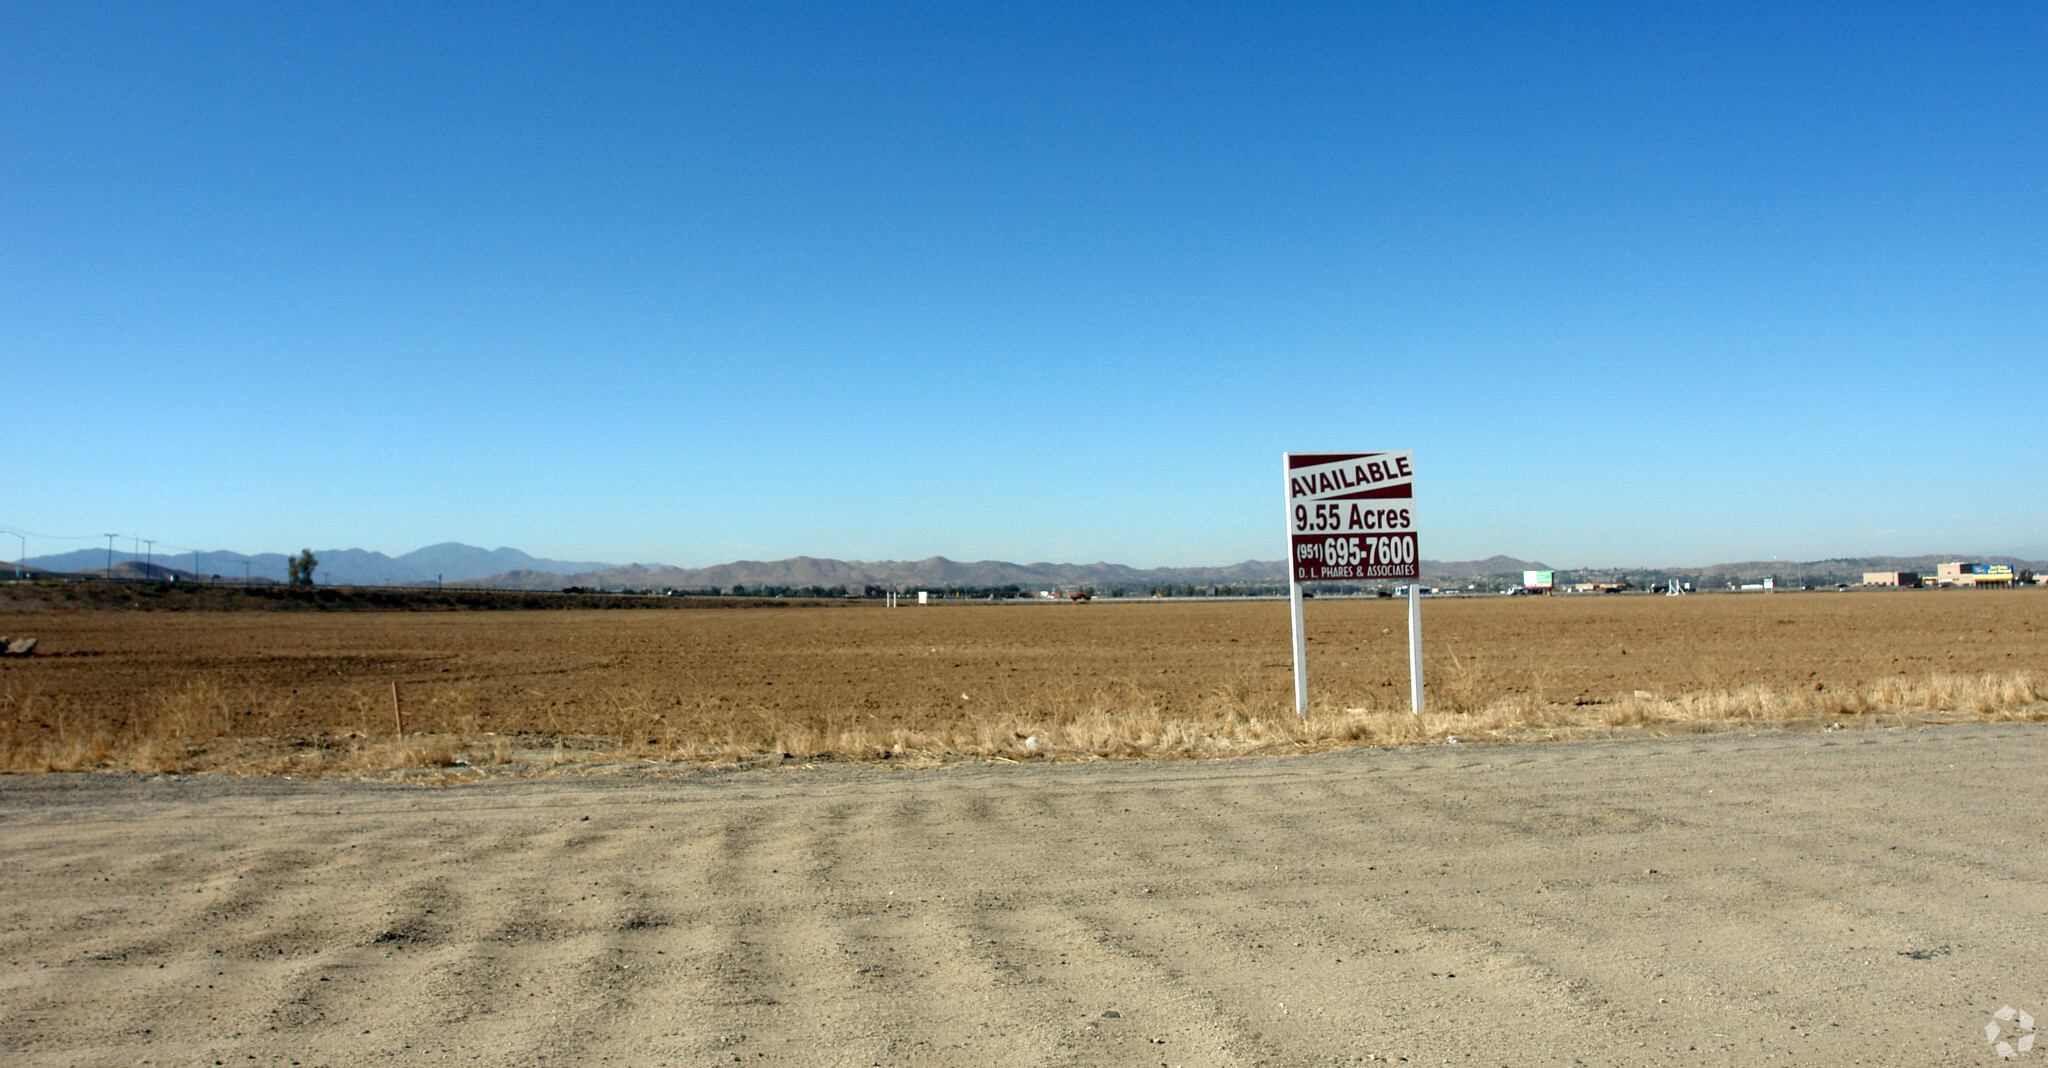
column 1351, row 516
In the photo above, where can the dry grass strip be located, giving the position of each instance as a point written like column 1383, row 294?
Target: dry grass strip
column 197, row 725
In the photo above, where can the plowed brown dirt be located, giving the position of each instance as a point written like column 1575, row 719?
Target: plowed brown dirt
column 653, row 676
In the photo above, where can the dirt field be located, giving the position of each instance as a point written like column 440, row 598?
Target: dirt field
column 170, row 690
column 1746, row 898
column 624, row 885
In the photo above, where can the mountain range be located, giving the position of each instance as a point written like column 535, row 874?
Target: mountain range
column 939, row 572
column 454, row 563
column 935, row 572
column 449, row 561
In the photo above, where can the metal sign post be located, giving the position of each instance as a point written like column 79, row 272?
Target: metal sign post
column 1351, row 518
column 1300, row 653
column 1415, row 647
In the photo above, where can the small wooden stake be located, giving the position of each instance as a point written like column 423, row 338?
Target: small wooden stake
column 397, row 710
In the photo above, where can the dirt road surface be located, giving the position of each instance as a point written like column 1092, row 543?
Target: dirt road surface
column 1853, row 897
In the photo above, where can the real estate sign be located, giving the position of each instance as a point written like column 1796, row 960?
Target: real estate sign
column 1351, row 516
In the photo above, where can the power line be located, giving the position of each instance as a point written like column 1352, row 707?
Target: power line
column 197, row 549
column 17, row 531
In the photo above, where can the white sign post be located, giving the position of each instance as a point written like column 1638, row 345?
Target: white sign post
column 1351, row 518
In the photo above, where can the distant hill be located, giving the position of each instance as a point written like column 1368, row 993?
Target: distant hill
column 453, row 560
column 1844, row 569
column 938, row 572
column 448, row 561
column 1491, row 569
column 1847, row 569
column 504, row 568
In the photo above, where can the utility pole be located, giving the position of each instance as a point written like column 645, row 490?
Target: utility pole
column 245, row 571
column 110, row 556
column 151, row 565
column 21, row 569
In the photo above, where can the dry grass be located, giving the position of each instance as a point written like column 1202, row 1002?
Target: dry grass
column 199, row 725
column 44, row 734
column 1235, row 722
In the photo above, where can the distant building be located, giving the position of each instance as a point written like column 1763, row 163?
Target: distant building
column 1907, row 579
column 1992, row 575
column 1960, row 573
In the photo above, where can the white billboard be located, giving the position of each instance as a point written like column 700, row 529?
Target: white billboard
column 1351, row 516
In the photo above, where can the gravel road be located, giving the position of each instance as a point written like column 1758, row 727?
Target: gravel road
column 1854, row 897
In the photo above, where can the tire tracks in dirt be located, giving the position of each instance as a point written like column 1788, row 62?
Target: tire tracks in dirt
column 1732, row 900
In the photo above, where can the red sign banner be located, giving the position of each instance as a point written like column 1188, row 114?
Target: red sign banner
column 1351, row 516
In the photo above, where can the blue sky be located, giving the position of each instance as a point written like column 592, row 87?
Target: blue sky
column 695, row 283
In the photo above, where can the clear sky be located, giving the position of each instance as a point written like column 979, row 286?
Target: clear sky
column 1640, row 284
